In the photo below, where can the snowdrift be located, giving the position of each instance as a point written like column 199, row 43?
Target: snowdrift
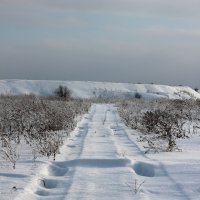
column 90, row 89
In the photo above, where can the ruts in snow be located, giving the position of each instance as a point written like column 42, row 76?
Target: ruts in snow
column 101, row 161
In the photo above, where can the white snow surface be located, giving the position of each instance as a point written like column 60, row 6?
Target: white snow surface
column 103, row 160
column 89, row 89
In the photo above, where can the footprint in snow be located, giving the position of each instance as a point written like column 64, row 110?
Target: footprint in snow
column 71, row 146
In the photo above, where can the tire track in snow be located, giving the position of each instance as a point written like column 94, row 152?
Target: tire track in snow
column 55, row 178
column 92, row 165
column 142, row 166
column 100, row 173
column 123, row 141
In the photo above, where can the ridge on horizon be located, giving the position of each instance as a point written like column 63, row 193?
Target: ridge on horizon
column 95, row 81
column 86, row 89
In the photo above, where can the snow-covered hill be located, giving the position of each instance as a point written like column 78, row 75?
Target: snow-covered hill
column 91, row 89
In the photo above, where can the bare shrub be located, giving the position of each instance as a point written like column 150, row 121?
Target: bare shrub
column 37, row 120
column 162, row 121
column 10, row 153
column 165, row 125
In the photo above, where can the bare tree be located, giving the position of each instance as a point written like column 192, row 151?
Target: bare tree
column 63, row 92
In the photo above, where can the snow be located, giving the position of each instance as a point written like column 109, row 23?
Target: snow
column 87, row 89
column 102, row 159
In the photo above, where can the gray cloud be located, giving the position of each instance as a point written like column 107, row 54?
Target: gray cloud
column 170, row 8
column 105, row 61
column 48, row 39
column 177, row 8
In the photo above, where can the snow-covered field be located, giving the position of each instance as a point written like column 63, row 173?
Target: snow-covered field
column 103, row 160
column 85, row 89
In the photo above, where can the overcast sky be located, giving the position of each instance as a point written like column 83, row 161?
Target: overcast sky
column 104, row 40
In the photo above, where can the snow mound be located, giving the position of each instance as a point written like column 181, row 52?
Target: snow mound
column 90, row 89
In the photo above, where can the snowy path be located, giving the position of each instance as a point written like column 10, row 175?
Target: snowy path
column 102, row 161
column 99, row 169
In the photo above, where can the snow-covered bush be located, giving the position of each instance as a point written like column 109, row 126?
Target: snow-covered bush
column 131, row 112
column 9, row 152
column 162, row 121
column 165, row 125
column 38, row 120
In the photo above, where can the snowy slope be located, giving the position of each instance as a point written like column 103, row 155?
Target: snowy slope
column 91, row 89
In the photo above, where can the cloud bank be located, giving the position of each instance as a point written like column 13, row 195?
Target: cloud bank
column 109, row 40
